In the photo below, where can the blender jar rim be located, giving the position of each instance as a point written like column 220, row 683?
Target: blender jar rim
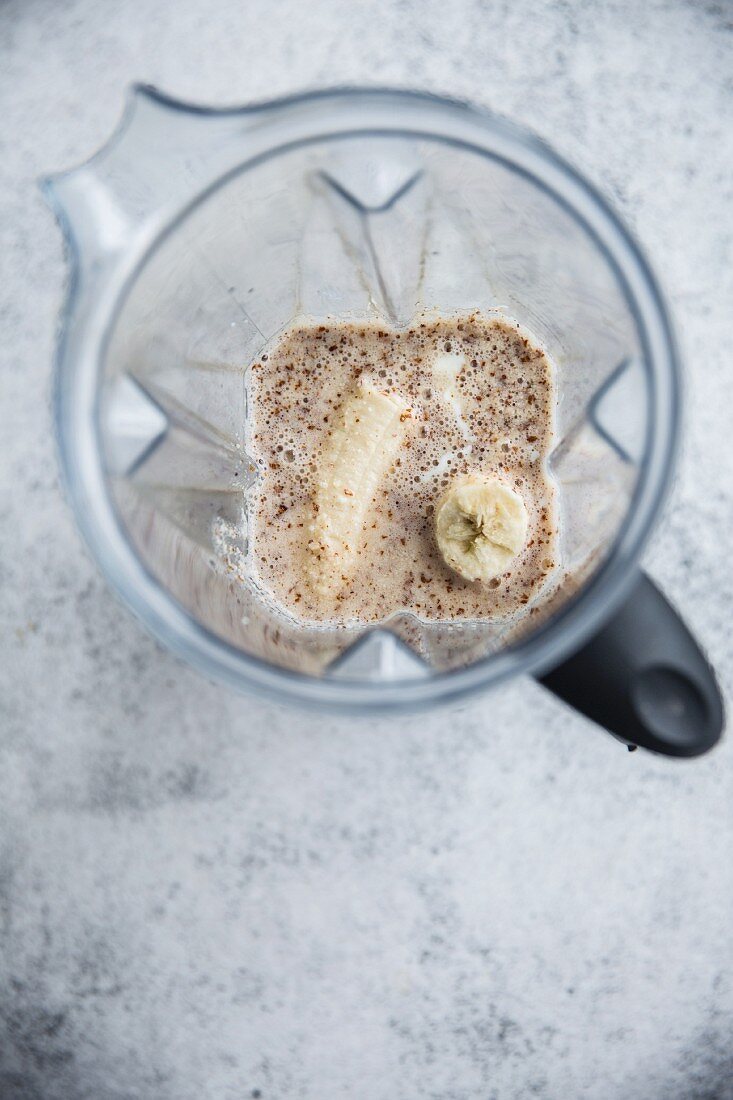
column 82, row 347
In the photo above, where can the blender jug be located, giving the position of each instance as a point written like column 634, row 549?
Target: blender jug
column 197, row 236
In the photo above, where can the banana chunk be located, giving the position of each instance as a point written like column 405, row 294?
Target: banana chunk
column 351, row 467
column 480, row 526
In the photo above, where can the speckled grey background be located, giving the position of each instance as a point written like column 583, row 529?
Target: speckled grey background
column 204, row 897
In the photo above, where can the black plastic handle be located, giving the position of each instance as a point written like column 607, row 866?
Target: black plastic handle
column 644, row 678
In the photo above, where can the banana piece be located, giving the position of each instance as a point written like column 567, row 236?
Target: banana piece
column 351, row 467
column 480, row 526
column 446, row 368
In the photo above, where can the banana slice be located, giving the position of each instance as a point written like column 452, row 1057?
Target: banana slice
column 480, row 526
column 351, row 467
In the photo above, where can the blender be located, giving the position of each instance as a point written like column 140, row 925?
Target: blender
column 195, row 236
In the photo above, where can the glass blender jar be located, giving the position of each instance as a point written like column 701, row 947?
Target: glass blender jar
column 197, row 235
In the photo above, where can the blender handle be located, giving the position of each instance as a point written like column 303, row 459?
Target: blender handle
column 644, row 678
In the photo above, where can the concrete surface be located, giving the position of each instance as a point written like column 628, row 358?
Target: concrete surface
column 204, row 897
